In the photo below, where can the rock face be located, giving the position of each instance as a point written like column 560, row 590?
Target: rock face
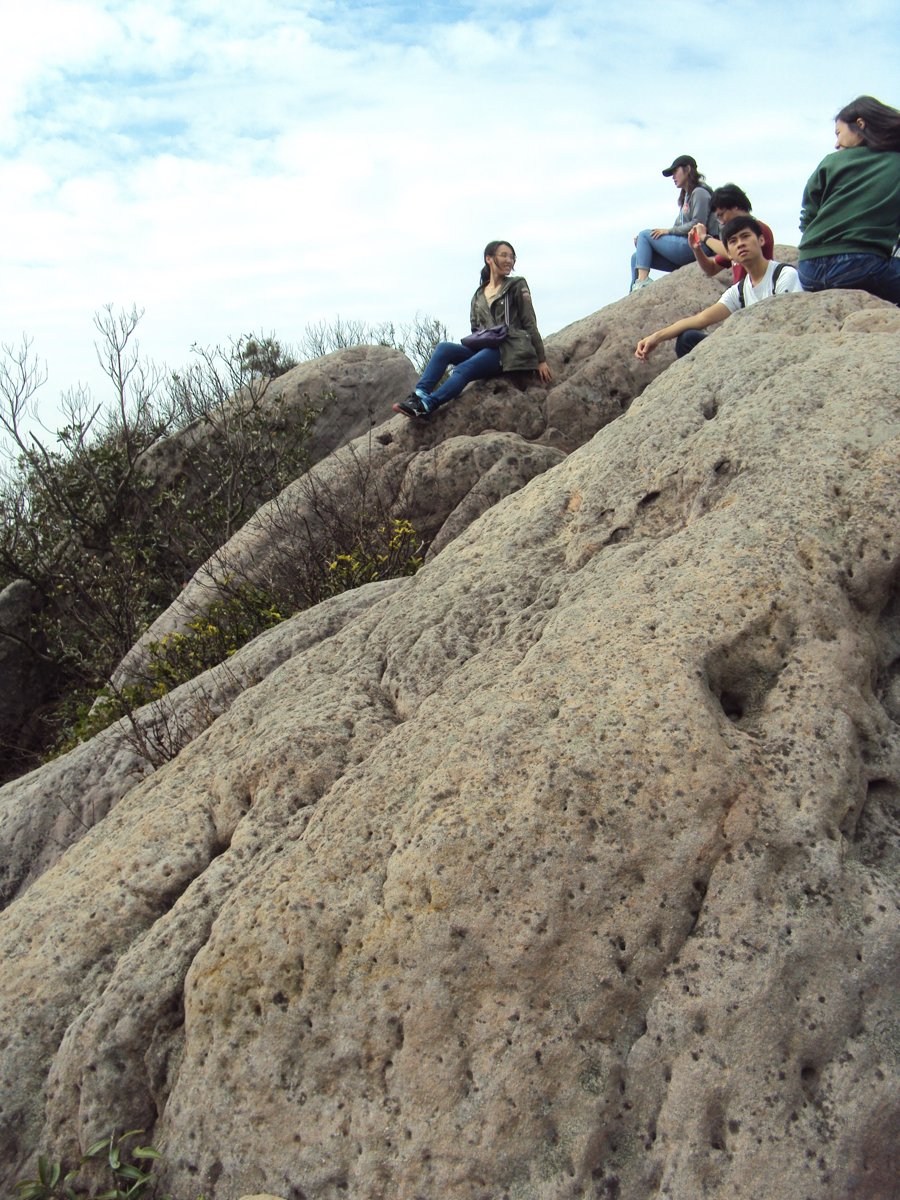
column 351, row 390
column 560, row 869
column 443, row 473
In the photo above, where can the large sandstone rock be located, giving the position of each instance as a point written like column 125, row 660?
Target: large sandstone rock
column 560, row 869
column 442, row 473
column 350, row 390
column 488, row 444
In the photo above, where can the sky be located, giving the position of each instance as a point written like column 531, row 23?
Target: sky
column 262, row 166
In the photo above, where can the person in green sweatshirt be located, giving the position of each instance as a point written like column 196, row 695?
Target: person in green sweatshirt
column 851, row 206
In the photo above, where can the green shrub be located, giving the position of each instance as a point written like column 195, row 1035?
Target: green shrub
column 392, row 550
column 386, row 550
column 210, row 638
column 107, row 522
column 103, row 531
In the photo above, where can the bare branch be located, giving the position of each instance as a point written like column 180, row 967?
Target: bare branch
column 21, row 376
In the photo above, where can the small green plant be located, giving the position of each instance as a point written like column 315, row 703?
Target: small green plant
column 81, row 718
column 128, row 1170
column 390, row 551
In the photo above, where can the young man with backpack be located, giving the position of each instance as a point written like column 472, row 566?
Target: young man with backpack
column 743, row 238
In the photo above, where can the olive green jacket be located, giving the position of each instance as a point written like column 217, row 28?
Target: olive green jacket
column 523, row 348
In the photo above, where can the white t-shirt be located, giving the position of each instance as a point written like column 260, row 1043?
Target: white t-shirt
column 788, row 281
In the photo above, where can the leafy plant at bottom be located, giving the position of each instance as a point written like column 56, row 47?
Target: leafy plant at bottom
column 227, row 625
column 129, row 1171
column 211, row 638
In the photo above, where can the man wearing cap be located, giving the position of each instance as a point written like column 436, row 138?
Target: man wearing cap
column 666, row 249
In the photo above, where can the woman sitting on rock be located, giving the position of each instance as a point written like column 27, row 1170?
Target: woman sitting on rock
column 851, row 206
column 666, row 249
column 488, row 351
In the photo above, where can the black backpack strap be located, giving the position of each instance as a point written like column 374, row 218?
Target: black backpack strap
column 779, row 267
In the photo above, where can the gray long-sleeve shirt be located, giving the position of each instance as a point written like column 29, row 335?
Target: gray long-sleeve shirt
column 694, row 209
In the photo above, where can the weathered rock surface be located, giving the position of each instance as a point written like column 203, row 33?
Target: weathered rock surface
column 445, row 472
column 560, row 869
column 351, row 390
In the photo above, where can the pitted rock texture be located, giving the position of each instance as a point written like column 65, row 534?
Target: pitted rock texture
column 560, row 869
column 444, row 472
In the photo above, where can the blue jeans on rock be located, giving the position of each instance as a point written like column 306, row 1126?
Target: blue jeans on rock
column 660, row 254
column 468, row 365
column 685, row 342
column 869, row 272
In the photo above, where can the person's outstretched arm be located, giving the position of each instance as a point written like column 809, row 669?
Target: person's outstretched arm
column 709, row 316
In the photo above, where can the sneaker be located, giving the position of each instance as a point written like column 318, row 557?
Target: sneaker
column 411, row 407
column 414, row 406
column 640, row 283
column 423, row 396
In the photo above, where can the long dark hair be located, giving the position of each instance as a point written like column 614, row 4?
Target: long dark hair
column 489, row 251
column 694, row 180
column 880, row 129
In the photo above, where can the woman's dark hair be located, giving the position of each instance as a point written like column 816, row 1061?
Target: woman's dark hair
column 694, row 180
column 736, row 224
column 880, row 129
column 729, row 195
column 489, row 251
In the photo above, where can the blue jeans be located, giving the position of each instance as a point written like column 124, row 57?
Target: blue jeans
column 469, row 365
column 685, row 342
column 660, row 254
column 869, row 272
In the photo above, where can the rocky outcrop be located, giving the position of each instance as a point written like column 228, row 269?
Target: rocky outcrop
column 443, row 473
column 559, row 869
column 350, row 391
column 487, row 445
